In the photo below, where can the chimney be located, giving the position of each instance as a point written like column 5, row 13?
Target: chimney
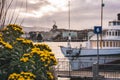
column 118, row 16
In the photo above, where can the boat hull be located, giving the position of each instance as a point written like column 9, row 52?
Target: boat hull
column 88, row 52
column 85, row 58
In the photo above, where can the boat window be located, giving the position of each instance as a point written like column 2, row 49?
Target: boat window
column 109, row 24
column 109, row 33
column 107, row 44
column 119, row 43
column 112, row 33
column 110, row 43
column 93, row 44
column 103, row 43
column 118, row 23
column 114, row 23
column 116, row 33
column 114, row 44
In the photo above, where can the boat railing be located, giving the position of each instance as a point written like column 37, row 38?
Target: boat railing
column 78, row 59
column 110, row 71
column 65, row 65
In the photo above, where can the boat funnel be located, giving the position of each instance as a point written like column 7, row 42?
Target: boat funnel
column 118, row 16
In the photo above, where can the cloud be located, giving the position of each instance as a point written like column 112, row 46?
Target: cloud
column 42, row 8
column 83, row 13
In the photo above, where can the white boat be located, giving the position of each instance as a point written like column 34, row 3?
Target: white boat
column 104, row 51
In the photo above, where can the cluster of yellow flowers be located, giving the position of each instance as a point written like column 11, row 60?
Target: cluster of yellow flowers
column 45, row 56
column 24, row 41
column 50, row 76
column 24, row 59
column 34, row 56
column 43, row 46
column 0, row 35
column 5, row 44
column 15, row 27
column 22, row 76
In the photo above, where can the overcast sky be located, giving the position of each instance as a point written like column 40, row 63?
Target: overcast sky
column 83, row 13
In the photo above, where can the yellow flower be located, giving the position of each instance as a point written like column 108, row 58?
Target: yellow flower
column 45, row 65
column 20, row 39
column 28, row 79
column 42, row 59
column 8, row 46
column 26, row 55
column 27, row 75
column 13, row 76
column 21, row 78
column 27, row 41
column 24, row 59
column 50, row 76
column 0, row 35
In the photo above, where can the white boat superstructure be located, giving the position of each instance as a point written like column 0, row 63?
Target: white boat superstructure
column 109, row 47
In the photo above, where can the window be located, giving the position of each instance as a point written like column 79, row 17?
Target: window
column 110, row 43
column 103, row 43
column 113, row 34
column 116, row 33
column 107, row 44
column 114, row 44
column 118, row 23
column 119, row 44
column 114, row 23
column 109, row 33
column 110, row 24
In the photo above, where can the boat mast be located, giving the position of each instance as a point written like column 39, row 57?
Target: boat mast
column 102, row 5
column 69, row 35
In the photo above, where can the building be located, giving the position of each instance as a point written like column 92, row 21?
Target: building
column 59, row 35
